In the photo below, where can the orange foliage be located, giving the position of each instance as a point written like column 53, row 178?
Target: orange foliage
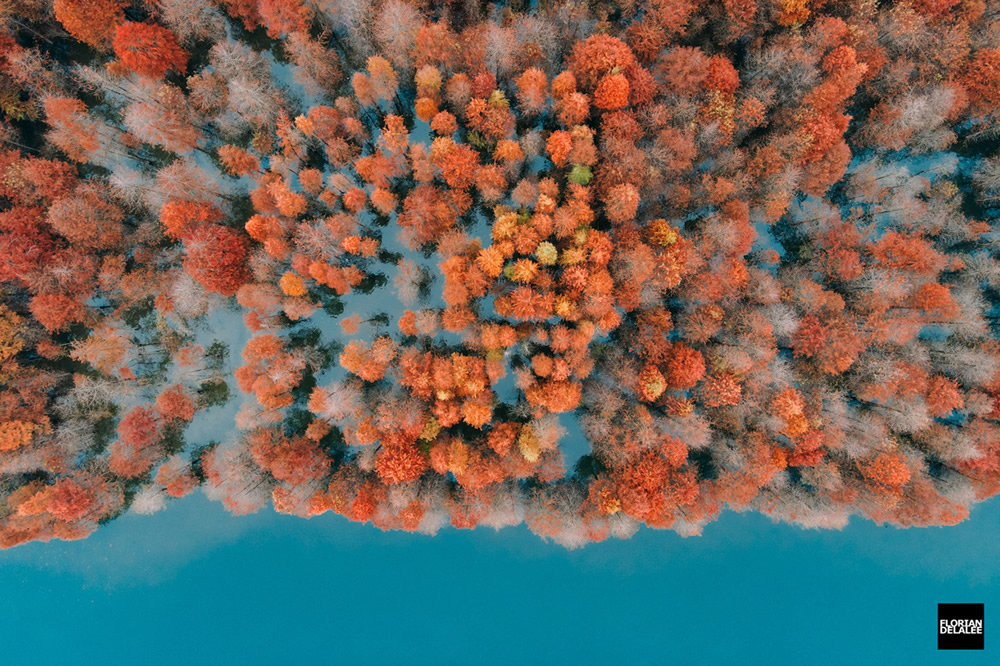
column 149, row 49
column 90, row 21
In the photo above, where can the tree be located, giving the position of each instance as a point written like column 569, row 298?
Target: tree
column 166, row 121
column 176, row 477
column 72, row 131
column 88, row 218
column 149, row 49
column 181, row 218
column 24, row 244
column 982, row 79
column 384, row 80
column 138, row 446
column 400, row 463
column 237, row 161
column 68, row 500
column 270, row 372
column 369, row 362
column 106, row 349
column 90, row 21
column 56, row 311
column 885, row 472
column 531, row 90
column 651, row 383
column 294, row 461
column 598, row 55
column 175, row 404
column 685, row 367
column 559, row 145
column 193, row 20
column 33, row 181
column 317, row 68
column 216, row 257
column 611, row 92
column 722, row 389
column 621, row 203
column 284, row 17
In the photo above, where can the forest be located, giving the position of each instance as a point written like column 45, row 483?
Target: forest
column 398, row 259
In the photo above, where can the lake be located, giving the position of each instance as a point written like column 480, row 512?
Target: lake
column 193, row 585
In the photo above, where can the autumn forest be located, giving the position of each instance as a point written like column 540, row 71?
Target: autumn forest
column 582, row 266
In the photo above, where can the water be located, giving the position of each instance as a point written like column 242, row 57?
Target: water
column 193, row 585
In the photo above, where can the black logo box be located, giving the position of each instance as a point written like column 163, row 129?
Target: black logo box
column 961, row 627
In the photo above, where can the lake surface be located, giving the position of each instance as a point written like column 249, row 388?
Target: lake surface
column 193, row 585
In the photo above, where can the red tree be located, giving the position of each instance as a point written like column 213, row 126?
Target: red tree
column 216, row 257
column 149, row 49
column 90, row 21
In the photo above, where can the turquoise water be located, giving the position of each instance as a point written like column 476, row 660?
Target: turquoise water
column 193, row 585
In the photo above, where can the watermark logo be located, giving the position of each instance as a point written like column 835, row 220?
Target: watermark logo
column 961, row 627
